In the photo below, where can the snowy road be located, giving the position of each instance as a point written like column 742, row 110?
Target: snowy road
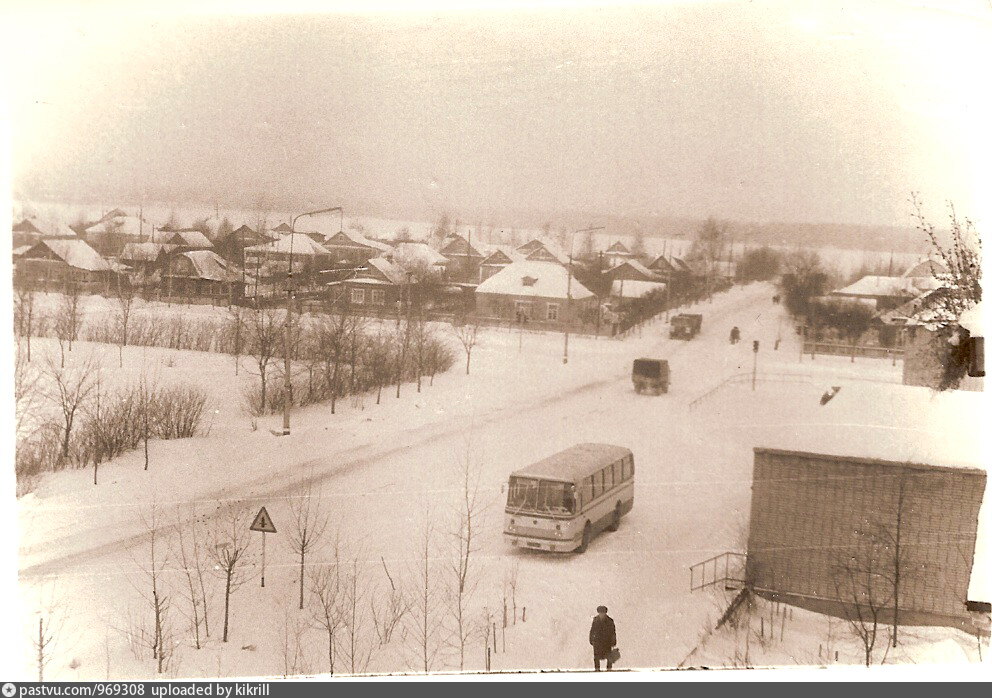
column 377, row 484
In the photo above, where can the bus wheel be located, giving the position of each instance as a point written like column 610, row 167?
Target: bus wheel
column 616, row 518
column 586, row 537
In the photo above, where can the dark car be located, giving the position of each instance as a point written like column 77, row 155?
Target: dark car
column 685, row 326
column 650, row 374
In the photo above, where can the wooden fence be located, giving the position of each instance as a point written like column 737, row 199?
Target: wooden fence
column 869, row 352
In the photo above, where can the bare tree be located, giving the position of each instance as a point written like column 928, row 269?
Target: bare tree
column 307, row 529
column 377, row 360
column 866, row 595
column 46, row 635
column 236, row 313
column 145, row 396
column 25, row 394
column 190, row 551
column 422, row 336
column 265, row 340
column 356, row 650
column 294, row 629
column 152, row 565
column 402, row 338
column 466, row 330
column 326, row 589
column 229, row 545
column 386, row 618
column 24, row 315
column 510, row 578
column 125, row 302
column 334, row 334
column 67, row 318
column 461, row 583
column 70, row 390
column 961, row 259
column 423, row 620
column 357, row 348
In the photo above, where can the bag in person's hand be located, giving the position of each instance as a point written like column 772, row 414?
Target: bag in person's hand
column 614, row 655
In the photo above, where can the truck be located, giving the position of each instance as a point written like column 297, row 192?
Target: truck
column 650, row 374
column 685, row 326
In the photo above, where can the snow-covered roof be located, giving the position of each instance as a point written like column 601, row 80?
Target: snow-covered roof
column 393, row 273
column 888, row 286
column 548, row 280
column 77, row 253
column 418, row 253
column 925, row 268
column 975, row 321
column 25, row 226
column 190, row 238
column 635, row 289
column 18, row 251
column 209, row 265
column 297, row 243
column 893, row 422
column 359, row 239
column 635, row 265
column 548, row 249
column 510, row 252
column 144, row 251
column 56, row 229
column 661, row 264
column 904, row 424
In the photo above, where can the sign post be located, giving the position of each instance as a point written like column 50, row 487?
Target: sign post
column 263, row 523
column 754, row 370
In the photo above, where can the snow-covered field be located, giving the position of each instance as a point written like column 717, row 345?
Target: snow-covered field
column 380, row 471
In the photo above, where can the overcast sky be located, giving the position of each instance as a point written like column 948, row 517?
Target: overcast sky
column 759, row 112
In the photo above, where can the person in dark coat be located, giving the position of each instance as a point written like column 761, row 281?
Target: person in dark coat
column 735, row 335
column 602, row 637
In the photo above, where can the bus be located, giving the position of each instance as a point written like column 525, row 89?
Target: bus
column 559, row 503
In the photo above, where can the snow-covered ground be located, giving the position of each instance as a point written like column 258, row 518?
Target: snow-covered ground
column 380, row 469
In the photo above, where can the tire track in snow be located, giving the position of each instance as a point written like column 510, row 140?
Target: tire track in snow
column 288, row 479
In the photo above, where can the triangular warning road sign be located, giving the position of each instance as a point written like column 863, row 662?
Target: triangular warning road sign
column 263, row 522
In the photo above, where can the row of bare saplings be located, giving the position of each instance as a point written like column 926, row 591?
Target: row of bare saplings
column 67, row 419
column 332, row 356
column 437, row 607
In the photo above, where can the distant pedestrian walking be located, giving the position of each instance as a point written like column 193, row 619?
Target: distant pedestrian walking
column 735, row 335
column 603, row 638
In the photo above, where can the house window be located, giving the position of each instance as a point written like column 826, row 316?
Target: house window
column 553, row 312
column 522, row 309
column 358, row 296
column 378, row 297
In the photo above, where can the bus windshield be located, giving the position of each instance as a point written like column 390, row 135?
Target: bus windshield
column 528, row 494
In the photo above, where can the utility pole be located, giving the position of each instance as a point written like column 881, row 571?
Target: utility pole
column 287, row 399
column 568, row 292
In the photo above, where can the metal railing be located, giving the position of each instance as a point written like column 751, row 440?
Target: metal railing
column 726, row 568
column 760, row 377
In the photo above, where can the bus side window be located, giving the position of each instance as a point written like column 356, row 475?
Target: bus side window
column 626, row 468
column 586, row 491
column 618, row 472
column 597, row 484
column 630, row 464
column 607, row 478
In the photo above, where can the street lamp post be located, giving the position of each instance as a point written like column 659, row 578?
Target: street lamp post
column 568, row 292
column 287, row 398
